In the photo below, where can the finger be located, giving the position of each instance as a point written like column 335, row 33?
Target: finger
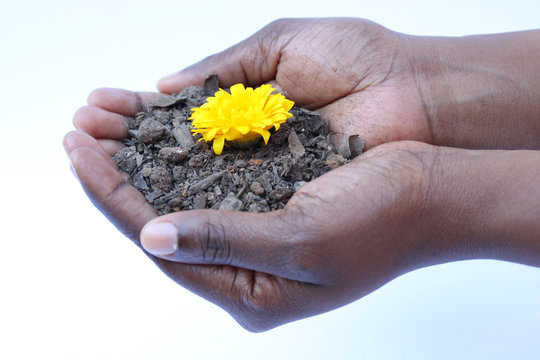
column 111, row 147
column 76, row 138
column 123, row 102
column 100, row 123
column 109, row 190
column 258, row 301
column 251, row 62
column 256, row 241
column 405, row 145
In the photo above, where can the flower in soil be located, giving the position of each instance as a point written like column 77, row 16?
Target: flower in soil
column 240, row 117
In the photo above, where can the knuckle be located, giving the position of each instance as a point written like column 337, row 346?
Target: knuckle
column 306, row 257
column 214, row 243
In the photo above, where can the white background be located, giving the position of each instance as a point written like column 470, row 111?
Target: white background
column 72, row 287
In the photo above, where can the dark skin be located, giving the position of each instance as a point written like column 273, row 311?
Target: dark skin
column 400, row 206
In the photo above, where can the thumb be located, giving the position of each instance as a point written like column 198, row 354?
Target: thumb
column 255, row 241
column 251, row 62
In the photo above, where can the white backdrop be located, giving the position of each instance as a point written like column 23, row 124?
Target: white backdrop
column 72, row 287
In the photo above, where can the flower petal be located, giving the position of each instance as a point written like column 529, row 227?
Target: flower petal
column 264, row 133
column 219, row 141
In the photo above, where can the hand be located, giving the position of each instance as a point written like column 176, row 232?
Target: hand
column 398, row 207
column 333, row 243
column 470, row 92
column 354, row 72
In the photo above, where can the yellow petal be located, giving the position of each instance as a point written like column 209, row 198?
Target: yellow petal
column 219, row 141
column 210, row 134
column 264, row 133
column 243, row 129
column 237, row 89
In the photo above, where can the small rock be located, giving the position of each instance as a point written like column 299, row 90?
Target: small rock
column 217, row 190
column 175, row 202
column 265, row 181
column 335, row 160
column 146, row 171
column 255, row 207
column 295, row 146
column 165, row 101
column 161, row 179
column 162, row 117
column 255, row 162
column 241, row 163
column 193, row 95
column 211, row 85
column 356, row 145
column 152, row 196
column 297, row 185
column 139, row 182
column 139, row 159
column 125, row 159
column 173, row 154
column 200, row 201
column 231, row 203
column 183, row 136
column 206, row 182
column 196, row 161
column 350, row 147
column 281, row 194
column 256, row 188
column 151, row 131
column 179, row 173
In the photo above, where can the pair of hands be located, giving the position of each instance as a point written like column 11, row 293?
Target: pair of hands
column 400, row 206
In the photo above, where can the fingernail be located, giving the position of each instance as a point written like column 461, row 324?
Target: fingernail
column 160, row 238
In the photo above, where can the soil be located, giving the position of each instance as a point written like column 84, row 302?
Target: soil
column 175, row 171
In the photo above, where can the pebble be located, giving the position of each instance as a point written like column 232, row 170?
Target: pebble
column 125, row 159
column 160, row 178
column 281, row 193
column 255, row 162
column 256, row 188
column 297, row 185
column 151, row 131
column 231, row 203
column 200, row 201
column 139, row 182
column 183, row 136
column 173, row 154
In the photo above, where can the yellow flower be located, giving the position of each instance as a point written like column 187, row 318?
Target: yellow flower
column 240, row 117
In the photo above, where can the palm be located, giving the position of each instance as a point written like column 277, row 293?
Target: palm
column 356, row 73
column 361, row 84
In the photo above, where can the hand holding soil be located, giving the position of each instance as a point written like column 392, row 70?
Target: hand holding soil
column 398, row 207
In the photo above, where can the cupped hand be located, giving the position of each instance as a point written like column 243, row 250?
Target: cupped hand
column 346, row 233
column 354, row 72
column 398, row 207
column 333, row 243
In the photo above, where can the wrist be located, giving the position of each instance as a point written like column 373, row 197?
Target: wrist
column 479, row 91
column 484, row 205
